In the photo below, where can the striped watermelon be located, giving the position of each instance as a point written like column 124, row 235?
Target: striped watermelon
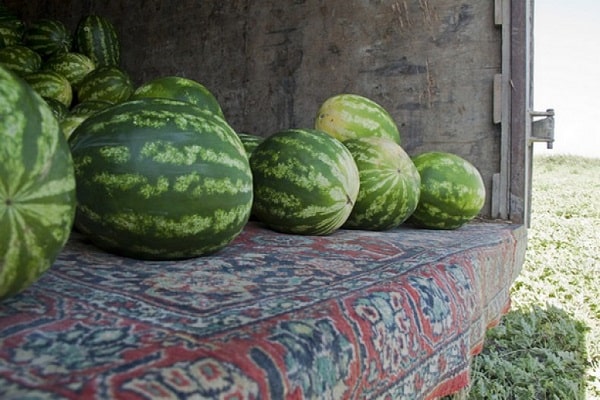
column 452, row 191
column 110, row 84
column 160, row 179
column 73, row 66
column 389, row 184
column 50, row 84
column 347, row 116
column 179, row 88
column 96, row 37
column 48, row 37
column 58, row 109
column 79, row 113
column 305, row 182
column 250, row 141
column 20, row 59
column 11, row 28
column 37, row 186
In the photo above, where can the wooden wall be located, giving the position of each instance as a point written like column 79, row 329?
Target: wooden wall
column 271, row 63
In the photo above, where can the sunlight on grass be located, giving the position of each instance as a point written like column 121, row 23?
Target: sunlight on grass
column 548, row 346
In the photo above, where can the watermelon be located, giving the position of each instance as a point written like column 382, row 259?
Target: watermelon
column 37, row 186
column 79, row 113
column 452, row 191
column 96, row 37
column 179, row 88
column 250, row 141
column 20, row 59
column 345, row 116
column 73, row 66
column 110, row 84
column 11, row 28
column 58, row 109
column 305, row 182
column 389, row 184
column 48, row 37
column 50, row 84
column 160, row 179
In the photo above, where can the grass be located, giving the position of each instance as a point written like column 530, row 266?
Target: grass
column 548, row 345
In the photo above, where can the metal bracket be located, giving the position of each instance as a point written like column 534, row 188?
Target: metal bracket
column 542, row 130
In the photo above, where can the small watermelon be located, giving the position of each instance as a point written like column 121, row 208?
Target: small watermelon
column 389, row 184
column 179, row 88
column 20, row 59
column 452, row 191
column 37, row 186
column 250, row 141
column 73, row 66
column 48, row 37
column 50, row 84
column 305, row 182
column 110, row 84
column 160, row 179
column 97, row 38
column 346, row 116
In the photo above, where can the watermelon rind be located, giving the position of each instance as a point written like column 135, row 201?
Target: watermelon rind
column 389, row 184
column 305, row 182
column 37, row 186
column 160, row 179
column 452, row 191
column 346, row 116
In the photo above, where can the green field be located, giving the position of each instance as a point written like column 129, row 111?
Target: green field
column 548, row 345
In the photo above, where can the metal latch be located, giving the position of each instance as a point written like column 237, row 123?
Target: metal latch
column 542, row 130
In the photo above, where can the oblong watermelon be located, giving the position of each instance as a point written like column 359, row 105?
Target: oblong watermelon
column 346, row 116
column 452, row 191
column 305, row 182
column 160, row 179
column 389, row 184
column 37, row 186
column 97, row 38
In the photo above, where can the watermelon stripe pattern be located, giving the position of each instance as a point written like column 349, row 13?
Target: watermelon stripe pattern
column 160, row 179
column 97, row 38
column 52, row 85
column 110, row 84
column 389, row 184
column 305, row 182
column 37, row 186
column 20, row 59
column 452, row 191
column 48, row 37
column 347, row 116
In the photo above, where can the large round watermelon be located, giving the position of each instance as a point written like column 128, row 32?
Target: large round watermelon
column 346, row 116
column 37, row 186
column 160, row 179
column 179, row 88
column 389, row 184
column 305, row 182
column 452, row 191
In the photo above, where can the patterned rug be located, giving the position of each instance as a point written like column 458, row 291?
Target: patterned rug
column 353, row 315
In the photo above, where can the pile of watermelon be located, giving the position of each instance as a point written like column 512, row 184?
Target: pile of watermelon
column 160, row 174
